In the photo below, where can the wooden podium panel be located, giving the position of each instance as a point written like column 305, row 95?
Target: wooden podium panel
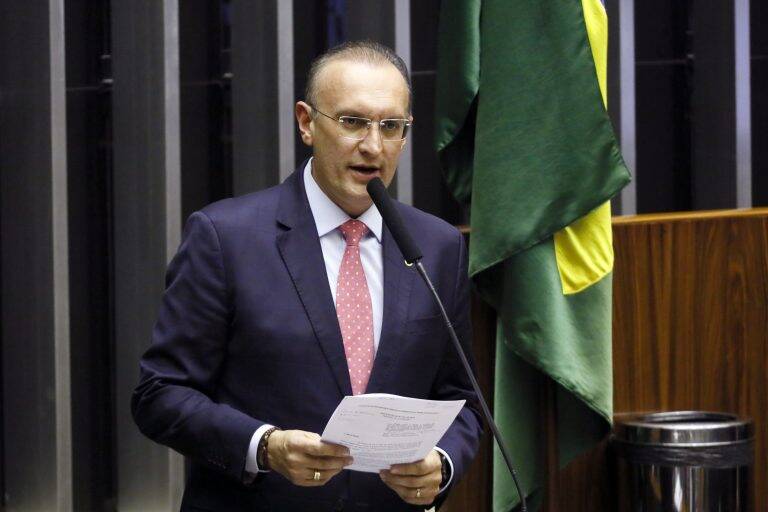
column 690, row 331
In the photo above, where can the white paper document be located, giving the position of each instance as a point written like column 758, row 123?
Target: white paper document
column 381, row 430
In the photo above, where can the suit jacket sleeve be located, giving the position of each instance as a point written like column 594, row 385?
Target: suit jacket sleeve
column 462, row 438
column 172, row 403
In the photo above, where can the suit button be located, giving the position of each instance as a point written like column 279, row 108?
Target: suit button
column 339, row 505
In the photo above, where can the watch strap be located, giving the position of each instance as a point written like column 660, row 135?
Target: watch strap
column 262, row 454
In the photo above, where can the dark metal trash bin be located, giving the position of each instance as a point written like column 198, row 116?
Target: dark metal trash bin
column 685, row 461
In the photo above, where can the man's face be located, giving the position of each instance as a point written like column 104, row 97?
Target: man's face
column 343, row 167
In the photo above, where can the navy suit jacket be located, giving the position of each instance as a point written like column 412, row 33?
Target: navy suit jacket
column 247, row 334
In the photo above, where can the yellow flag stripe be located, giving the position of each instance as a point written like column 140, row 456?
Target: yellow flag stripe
column 597, row 30
column 584, row 250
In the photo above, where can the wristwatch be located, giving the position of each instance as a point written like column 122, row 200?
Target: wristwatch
column 445, row 470
column 262, row 454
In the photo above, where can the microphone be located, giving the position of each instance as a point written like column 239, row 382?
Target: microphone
column 412, row 255
column 392, row 219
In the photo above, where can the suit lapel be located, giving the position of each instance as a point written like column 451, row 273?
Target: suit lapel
column 300, row 249
column 398, row 281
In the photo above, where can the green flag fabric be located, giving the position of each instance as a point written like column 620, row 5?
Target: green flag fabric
column 524, row 137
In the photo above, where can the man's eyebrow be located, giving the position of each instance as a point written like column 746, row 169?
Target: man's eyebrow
column 351, row 112
column 357, row 113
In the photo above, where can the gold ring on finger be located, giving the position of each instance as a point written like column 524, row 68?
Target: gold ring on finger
column 316, row 476
column 418, row 492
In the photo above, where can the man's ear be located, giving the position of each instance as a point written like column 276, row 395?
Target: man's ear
column 304, row 119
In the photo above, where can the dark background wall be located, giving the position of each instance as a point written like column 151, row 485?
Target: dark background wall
column 663, row 90
column 759, row 65
column 172, row 105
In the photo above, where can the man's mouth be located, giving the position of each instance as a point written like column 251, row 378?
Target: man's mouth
column 365, row 169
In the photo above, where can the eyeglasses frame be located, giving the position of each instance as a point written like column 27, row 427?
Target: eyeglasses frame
column 408, row 124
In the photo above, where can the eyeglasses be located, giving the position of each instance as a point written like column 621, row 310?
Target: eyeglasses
column 357, row 128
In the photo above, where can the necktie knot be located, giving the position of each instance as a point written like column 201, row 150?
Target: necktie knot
column 353, row 230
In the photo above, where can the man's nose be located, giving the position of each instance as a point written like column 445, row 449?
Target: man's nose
column 372, row 143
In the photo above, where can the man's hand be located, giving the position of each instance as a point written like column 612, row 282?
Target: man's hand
column 417, row 483
column 299, row 456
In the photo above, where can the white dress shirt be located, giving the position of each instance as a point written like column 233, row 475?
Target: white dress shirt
column 328, row 217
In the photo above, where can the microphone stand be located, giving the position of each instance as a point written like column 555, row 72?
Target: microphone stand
column 475, row 386
column 412, row 255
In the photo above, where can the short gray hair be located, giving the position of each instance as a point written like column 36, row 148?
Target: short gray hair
column 366, row 51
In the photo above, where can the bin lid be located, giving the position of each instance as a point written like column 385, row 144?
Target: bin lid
column 683, row 428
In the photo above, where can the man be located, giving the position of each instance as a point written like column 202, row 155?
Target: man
column 280, row 303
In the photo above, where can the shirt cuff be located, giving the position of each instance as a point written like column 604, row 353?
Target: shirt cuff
column 450, row 466
column 252, row 459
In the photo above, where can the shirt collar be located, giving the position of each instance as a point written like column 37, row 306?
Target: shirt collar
column 328, row 216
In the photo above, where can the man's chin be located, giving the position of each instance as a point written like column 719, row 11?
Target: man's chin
column 357, row 201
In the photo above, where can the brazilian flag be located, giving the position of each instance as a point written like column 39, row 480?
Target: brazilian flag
column 524, row 137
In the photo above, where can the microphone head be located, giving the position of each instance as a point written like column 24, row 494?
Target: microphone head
column 392, row 220
column 376, row 189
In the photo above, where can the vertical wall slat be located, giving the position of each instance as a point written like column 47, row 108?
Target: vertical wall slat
column 172, row 128
column 173, row 207
column 403, row 49
column 743, row 77
column 147, row 211
column 285, row 95
column 34, row 264
column 627, row 78
column 59, row 217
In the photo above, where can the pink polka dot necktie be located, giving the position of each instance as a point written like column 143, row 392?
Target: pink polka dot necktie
column 353, row 308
